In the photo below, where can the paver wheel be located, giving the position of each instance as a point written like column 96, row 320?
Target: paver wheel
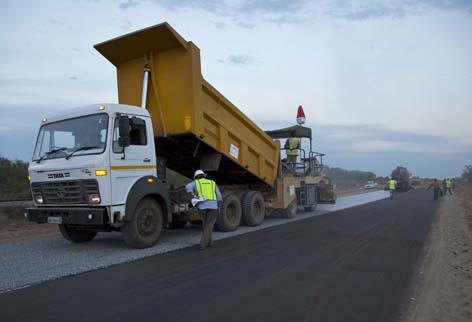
column 76, row 235
column 290, row 211
column 146, row 226
column 229, row 217
column 253, row 208
column 310, row 208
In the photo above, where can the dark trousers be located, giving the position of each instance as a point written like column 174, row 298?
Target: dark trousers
column 208, row 222
column 436, row 192
column 446, row 190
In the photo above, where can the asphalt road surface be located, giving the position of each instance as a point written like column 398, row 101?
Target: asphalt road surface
column 353, row 265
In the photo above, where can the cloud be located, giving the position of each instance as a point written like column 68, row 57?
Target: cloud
column 364, row 12
column 240, row 13
column 271, row 6
column 219, row 25
column 245, row 25
column 373, row 9
column 129, row 4
column 241, row 60
column 396, row 146
column 285, row 19
column 56, row 22
column 126, row 25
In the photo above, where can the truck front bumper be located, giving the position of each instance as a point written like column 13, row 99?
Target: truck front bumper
column 73, row 216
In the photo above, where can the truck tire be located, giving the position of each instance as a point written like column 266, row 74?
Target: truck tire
column 75, row 235
column 229, row 217
column 146, row 226
column 177, row 224
column 253, row 208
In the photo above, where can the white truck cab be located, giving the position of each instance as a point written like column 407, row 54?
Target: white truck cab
column 91, row 170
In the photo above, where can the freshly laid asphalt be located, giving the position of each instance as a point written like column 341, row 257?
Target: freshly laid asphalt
column 353, row 265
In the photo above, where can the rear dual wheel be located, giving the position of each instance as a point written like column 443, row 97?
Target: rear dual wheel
column 247, row 207
column 229, row 216
column 253, row 208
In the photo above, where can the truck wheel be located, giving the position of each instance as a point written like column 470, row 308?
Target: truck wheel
column 253, row 208
column 177, row 224
column 76, row 235
column 290, row 211
column 146, row 226
column 229, row 217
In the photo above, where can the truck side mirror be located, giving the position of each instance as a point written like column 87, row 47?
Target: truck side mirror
column 123, row 130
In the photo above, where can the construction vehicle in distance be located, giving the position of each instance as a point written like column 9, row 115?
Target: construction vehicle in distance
column 402, row 176
column 102, row 167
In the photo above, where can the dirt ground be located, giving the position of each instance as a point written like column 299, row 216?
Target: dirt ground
column 443, row 283
column 13, row 225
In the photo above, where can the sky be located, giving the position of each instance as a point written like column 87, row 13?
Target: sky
column 383, row 83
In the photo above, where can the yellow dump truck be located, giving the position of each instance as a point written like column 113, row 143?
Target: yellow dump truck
column 102, row 167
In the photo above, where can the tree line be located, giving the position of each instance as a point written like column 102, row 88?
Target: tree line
column 345, row 179
column 13, row 179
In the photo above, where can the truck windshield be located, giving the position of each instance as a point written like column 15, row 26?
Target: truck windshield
column 84, row 135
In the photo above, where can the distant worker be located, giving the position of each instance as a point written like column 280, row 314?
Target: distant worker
column 210, row 195
column 436, row 188
column 448, row 186
column 392, row 184
column 444, row 187
column 292, row 145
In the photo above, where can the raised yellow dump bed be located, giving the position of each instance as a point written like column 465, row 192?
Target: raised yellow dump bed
column 191, row 119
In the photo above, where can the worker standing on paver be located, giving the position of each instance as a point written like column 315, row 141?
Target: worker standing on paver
column 448, row 186
column 436, row 188
column 392, row 184
column 292, row 145
column 207, row 196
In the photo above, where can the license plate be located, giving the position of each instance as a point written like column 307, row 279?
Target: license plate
column 55, row 220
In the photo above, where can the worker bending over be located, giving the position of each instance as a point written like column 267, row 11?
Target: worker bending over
column 392, row 184
column 207, row 191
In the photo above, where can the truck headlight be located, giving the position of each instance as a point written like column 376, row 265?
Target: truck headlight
column 38, row 199
column 94, row 198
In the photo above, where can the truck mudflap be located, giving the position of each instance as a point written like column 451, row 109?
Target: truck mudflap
column 73, row 216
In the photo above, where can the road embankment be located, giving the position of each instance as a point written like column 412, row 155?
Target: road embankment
column 442, row 288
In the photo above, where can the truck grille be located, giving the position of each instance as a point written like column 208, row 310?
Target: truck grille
column 66, row 192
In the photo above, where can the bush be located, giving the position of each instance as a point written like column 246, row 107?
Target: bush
column 13, row 179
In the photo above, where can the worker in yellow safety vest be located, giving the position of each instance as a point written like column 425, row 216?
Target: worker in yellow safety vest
column 207, row 194
column 448, row 186
column 292, row 145
column 392, row 184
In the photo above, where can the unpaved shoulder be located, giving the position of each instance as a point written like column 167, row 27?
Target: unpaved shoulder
column 442, row 289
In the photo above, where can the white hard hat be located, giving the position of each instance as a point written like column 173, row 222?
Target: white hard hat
column 198, row 173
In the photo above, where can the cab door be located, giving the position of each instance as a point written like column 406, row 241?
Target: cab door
column 128, row 164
